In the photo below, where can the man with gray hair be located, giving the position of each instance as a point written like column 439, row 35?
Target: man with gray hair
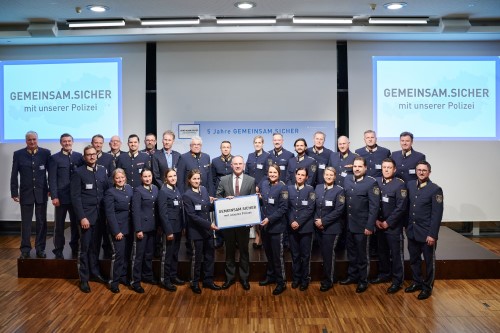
column 195, row 159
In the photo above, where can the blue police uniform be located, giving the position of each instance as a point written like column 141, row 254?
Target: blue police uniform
column 393, row 207
column 301, row 203
column 302, row 162
column 221, row 166
column 117, row 202
column 362, row 204
column 133, row 166
column 163, row 161
column 406, row 164
column 190, row 161
column 329, row 207
column 322, row 157
column 170, row 209
column 144, row 220
column 107, row 161
column 374, row 157
column 62, row 165
column 88, row 185
column 274, row 207
column 197, row 209
column 342, row 164
column 281, row 158
column 257, row 165
column 115, row 157
column 425, row 215
column 32, row 192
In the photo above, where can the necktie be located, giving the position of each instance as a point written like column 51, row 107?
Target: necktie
column 237, row 186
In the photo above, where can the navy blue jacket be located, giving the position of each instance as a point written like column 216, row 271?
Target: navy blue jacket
column 281, row 158
column 170, row 208
column 274, row 206
column 426, row 210
column 322, row 159
column 307, row 162
column 221, row 167
column 160, row 165
column 107, row 161
column 87, row 192
column 61, row 168
column 197, row 208
column 117, row 203
column 144, row 208
column 133, row 166
column 32, row 170
column 343, row 165
column 393, row 203
column 330, row 205
column 301, row 208
column 374, row 159
column 406, row 164
column 188, row 162
column 257, row 166
column 362, row 201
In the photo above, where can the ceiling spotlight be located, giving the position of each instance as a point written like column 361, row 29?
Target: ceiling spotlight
column 97, row 8
column 245, row 5
column 395, row 5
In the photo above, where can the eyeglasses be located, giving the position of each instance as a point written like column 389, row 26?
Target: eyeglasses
column 93, row 154
column 422, row 170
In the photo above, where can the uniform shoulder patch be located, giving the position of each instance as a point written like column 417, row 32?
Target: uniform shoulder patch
column 284, row 194
column 269, row 161
column 376, row 190
column 404, row 193
column 312, row 195
column 439, row 198
column 341, row 198
column 313, row 167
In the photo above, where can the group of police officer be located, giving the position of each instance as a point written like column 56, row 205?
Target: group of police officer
column 384, row 193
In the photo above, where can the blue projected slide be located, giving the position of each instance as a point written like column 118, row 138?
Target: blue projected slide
column 443, row 98
column 78, row 96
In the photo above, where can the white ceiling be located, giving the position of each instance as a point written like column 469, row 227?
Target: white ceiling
column 450, row 20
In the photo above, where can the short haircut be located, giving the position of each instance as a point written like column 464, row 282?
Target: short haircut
column 31, row 133
column 225, row 141
column 149, row 134
column 119, row 170
column 97, row 136
column 330, row 168
column 258, row 137
column 389, row 160
column 133, row 136
column 410, row 134
column 169, row 132
column 87, row 148
column 319, row 132
column 65, row 135
column 300, row 169
column 300, row 139
column 278, row 133
column 197, row 138
column 423, row 162
column 370, row 131
column 360, row 158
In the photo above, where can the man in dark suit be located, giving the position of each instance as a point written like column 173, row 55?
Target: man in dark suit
column 31, row 163
column 407, row 158
column 233, row 185
column 195, row 159
column 165, row 158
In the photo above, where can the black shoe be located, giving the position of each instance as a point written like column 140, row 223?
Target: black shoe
column 295, row 285
column 394, row 288
column 279, row 289
column 361, row 288
column 245, row 284
column 84, row 287
column 169, row 286
column 256, row 246
column 137, row 288
column 98, row 278
column 227, row 284
column 177, row 281
column 379, row 280
column 325, row 287
column 24, row 255
column 41, row 254
column 266, row 282
column 59, row 256
column 152, row 281
column 211, row 286
column 114, row 289
column 424, row 294
column 196, row 288
column 348, row 281
column 304, row 286
column 125, row 282
column 412, row 288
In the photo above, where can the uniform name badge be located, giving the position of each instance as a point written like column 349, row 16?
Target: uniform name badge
column 411, row 171
column 176, row 203
column 260, row 166
column 42, row 167
column 304, row 203
column 197, row 207
column 89, row 186
column 271, row 201
column 328, row 203
column 385, row 199
column 378, row 166
column 343, row 174
column 322, row 166
column 282, row 167
column 140, row 170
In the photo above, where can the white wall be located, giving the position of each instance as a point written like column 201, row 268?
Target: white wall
column 466, row 170
column 133, row 91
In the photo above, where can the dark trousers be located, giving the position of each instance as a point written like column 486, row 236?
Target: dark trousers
column 300, row 247
column 102, row 235
column 273, row 247
column 203, row 252
column 416, row 250
column 41, row 226
column 59, row 220
column 170, row 257
column 88, row 263
column 119, row 264
column 142, row 258
column 328, row 243
column 242, row 236
column 358, row 256
column 391, row 257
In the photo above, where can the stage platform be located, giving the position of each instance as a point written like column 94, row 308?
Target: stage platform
column 457, row 258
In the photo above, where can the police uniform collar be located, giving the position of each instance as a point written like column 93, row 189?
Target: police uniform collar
column 150, row 151
column 99, row 154
column 115, row 154
column 148, row 187
column 278, row 152
column 170, row 186
column 422, row 185
column 386, row 180
column 344, row 155
column 226, row 158
column 196, row 190
column 408, row 153
column 300, row 187
column 328, row 187
column 300, row 158
column 258, row 153
column 133, row 155
column 32, row 152
column 357, row 180
column 90, row 168
column 196, row 155
column 67, row 153
column 317, row 151
column 371, row 150
column 121, row 188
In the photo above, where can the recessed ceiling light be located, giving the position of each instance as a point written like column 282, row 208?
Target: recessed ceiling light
column 97, row 8
column 395, row 5
column 245, row 5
